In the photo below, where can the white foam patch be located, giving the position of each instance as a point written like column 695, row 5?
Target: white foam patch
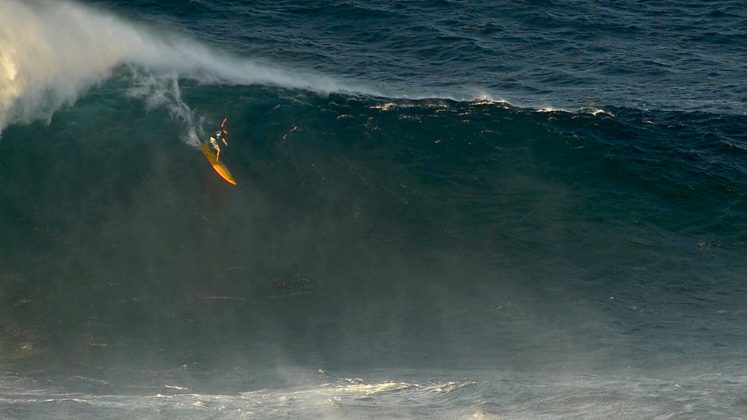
column 485, row 99
column 52, row 51
column 359, row 387
column 597, row 111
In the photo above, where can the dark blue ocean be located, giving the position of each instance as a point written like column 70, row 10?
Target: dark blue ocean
column 444, row 209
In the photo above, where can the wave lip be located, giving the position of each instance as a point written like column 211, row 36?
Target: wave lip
column 51, row 52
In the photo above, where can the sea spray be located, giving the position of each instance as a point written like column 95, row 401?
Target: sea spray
column 52, row 52
column 165, row 92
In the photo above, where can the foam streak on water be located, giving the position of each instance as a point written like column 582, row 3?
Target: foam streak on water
column 496, row 398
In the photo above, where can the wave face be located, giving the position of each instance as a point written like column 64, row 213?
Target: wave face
column 473, row 256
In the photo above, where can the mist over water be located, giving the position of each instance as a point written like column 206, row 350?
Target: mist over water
column 381, row 256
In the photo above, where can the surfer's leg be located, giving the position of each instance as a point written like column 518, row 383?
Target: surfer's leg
column 217, row 157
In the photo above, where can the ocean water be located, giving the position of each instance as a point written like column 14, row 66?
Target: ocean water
column 445, row 209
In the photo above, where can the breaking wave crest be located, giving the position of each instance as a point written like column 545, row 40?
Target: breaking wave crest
column 51, row 52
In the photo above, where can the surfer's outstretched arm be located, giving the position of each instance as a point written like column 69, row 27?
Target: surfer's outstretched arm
column 224, row 131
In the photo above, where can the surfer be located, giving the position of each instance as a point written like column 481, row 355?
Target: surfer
column 221, row 135
column 212, row 148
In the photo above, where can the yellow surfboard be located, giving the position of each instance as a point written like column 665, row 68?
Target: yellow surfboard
column 217, row 165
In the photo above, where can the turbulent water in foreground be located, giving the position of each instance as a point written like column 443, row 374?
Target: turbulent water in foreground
column 444, row 209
